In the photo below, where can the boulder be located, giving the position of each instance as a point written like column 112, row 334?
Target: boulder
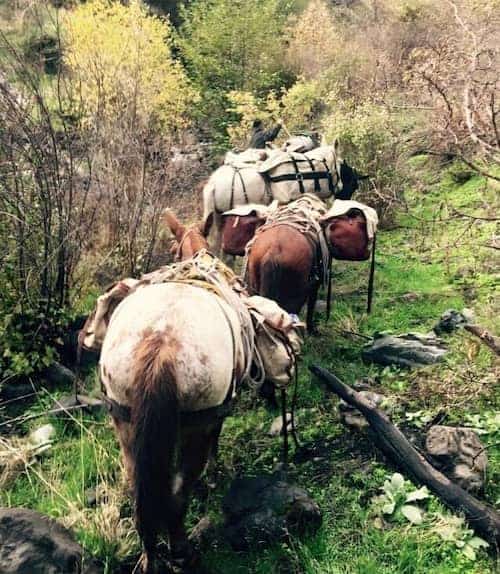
column 277, row 425
column 458, row 453
column 264, row 510
column 31, row 543
column 59, row 375
column 351, row 417
column 452, row 320
column 407, row 350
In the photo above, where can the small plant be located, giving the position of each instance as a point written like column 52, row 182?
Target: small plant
column 398, row 494
column 453, row 529
column 488, row 422
column 420, row 418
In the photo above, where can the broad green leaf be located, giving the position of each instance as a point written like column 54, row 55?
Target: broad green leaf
column 419, row 494
column 412, row 513
column 477, row 542
column 397, row 481
column 469, row 552
column 446, row 531
column 389, row 507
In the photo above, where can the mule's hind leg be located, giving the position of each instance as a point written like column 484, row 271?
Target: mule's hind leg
column 311, row 304
column 196, row 447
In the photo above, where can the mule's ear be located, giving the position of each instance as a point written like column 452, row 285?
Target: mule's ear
column 206, row 225
column 173, row 223
column 173, row 248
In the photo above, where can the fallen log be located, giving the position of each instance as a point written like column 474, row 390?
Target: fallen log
column 485, row 336
column 481, row 517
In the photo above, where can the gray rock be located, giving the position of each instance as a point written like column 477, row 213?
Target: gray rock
column 58, row 374
column 458, row 452
column 407, row 350
column 351, row 417
column 264, row 510
column 452, row 320
column 277, row 425
column 31, row 543
column 321, row 306
column 42, row 435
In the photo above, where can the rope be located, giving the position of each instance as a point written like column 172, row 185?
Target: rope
column 371, row 278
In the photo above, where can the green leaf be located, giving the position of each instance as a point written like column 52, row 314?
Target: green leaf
column 412, row 513
column 477, row 542
column 419, row 494
column 468, row 551
column 397, row 482
column 389, row 507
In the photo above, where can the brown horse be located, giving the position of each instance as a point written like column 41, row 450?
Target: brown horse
column 282, row 265
column 188, row 240
column 166, row 358
column 287, row 259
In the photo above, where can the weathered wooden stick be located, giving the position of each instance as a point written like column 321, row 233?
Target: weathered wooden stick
column 395, row 445
column 486, row 337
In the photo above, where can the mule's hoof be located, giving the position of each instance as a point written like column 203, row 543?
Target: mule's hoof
column 147, row 565
column 183, row 558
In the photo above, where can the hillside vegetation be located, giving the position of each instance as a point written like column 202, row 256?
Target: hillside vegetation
column 99, row 99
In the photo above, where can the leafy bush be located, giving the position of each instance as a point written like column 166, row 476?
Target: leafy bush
column 397, row 498
column 232, row 45
column 28, row 339
column 373, row 139
column 121, row 56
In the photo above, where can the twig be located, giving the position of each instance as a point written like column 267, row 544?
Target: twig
column 26, row 418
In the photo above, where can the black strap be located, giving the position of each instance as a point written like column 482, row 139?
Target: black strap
column 371, row 278
column 231, row 203
column 285, row 428
column 331, row 187
column 243, row 186
column 187, row 418
column 317, row 186
column 298, row 175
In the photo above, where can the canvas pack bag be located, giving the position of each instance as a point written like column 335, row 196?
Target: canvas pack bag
column 350, row 229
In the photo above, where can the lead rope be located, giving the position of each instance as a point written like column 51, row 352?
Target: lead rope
column 371, row 278
column 285, row 428
column 329, row 291
column 294, row 404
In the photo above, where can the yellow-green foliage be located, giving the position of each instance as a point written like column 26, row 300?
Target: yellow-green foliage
column 249, row 108
column 121, row 55
column 313, row 40
column 296, row 108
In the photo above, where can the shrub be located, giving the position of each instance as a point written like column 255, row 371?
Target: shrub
column 373, row 140
column 232, row 45
column 121, row 56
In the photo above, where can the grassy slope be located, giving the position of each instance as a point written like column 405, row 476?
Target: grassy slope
column 415, row 257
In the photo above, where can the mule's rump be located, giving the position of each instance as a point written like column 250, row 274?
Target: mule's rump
column 198, row 332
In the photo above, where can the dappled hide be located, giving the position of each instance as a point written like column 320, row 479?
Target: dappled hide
column 175, row 351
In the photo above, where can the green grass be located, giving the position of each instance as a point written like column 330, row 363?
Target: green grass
column 442, row 264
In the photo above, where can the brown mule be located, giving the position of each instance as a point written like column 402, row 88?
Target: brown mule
column 188, row 240
column 282, row 266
